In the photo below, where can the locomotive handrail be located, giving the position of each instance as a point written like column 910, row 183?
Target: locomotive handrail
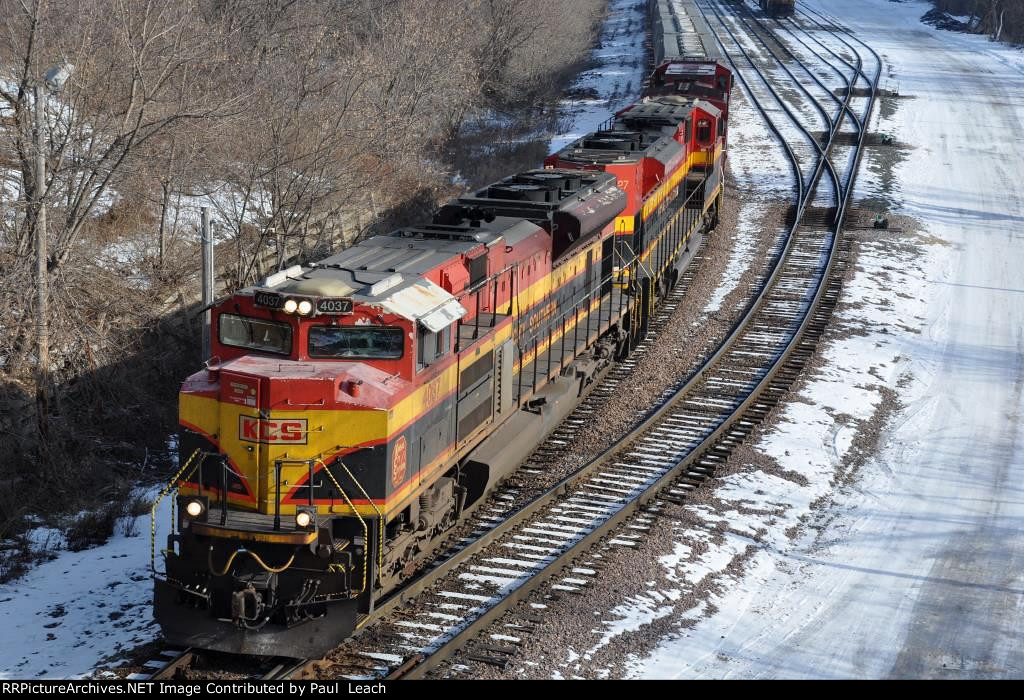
column 366, row 529
column 707, row 149
column 164, row 492
column 628, row 260
column 380, row 516
column 478, row 288
column 481, row 284
column 525, row 340
column 242, row 550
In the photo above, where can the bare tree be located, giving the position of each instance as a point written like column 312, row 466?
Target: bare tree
column 135, row 76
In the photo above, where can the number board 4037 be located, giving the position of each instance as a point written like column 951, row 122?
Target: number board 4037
column 341, row 305
column 268, row 299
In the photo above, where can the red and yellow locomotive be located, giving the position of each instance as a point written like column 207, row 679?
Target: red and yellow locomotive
column 357, row 407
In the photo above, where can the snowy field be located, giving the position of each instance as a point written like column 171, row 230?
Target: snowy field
column 907, row 560
column 67, row 615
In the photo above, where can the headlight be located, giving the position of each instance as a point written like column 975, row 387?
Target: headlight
column 192, row 509
column 305, row 307
column 304, row 519
column 290, row 305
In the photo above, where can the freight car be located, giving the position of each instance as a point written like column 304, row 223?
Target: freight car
column 356, row 408
column 778, row 8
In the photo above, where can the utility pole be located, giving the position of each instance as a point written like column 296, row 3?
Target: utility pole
column 207, row 240
column 42, row 331
column 55, row 78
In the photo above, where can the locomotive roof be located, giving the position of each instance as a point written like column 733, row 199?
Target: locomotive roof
column 660, row 147
column 690, row 77
column 585, row 184
column 667, row 111
column 685, row 88
column 389, row 270
column 380, row 268
column 653, row 118
column 538, row 195
column 697, row 66
column 691, row 67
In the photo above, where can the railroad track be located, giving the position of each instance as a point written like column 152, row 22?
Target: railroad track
column 168, row 663
column 517, row 544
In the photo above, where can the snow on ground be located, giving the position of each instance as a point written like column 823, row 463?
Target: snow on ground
column 911, row 561
column 743, row 250
column 615, row 78
column 762, row 174
column 65, row 616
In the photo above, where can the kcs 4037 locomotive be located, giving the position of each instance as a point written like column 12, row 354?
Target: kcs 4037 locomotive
column 356, row 408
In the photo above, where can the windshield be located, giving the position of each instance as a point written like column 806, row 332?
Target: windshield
column 255, row 334
column 356, row 342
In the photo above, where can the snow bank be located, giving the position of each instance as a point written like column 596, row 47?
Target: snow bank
column 615, row 78
column 67, row 615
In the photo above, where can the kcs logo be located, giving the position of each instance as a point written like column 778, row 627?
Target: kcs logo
column 291, row 431
column 399, row 461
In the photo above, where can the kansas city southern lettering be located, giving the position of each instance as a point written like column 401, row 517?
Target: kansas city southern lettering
column 291, row 431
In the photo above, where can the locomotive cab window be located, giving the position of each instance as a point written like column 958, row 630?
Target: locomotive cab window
column 432, row 346
column 254, row 334
column 477, row 270
column 704, row 131
column 356, row 342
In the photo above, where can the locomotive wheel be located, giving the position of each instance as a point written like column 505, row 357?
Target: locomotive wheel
column 623, row 346
column 717, row 210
